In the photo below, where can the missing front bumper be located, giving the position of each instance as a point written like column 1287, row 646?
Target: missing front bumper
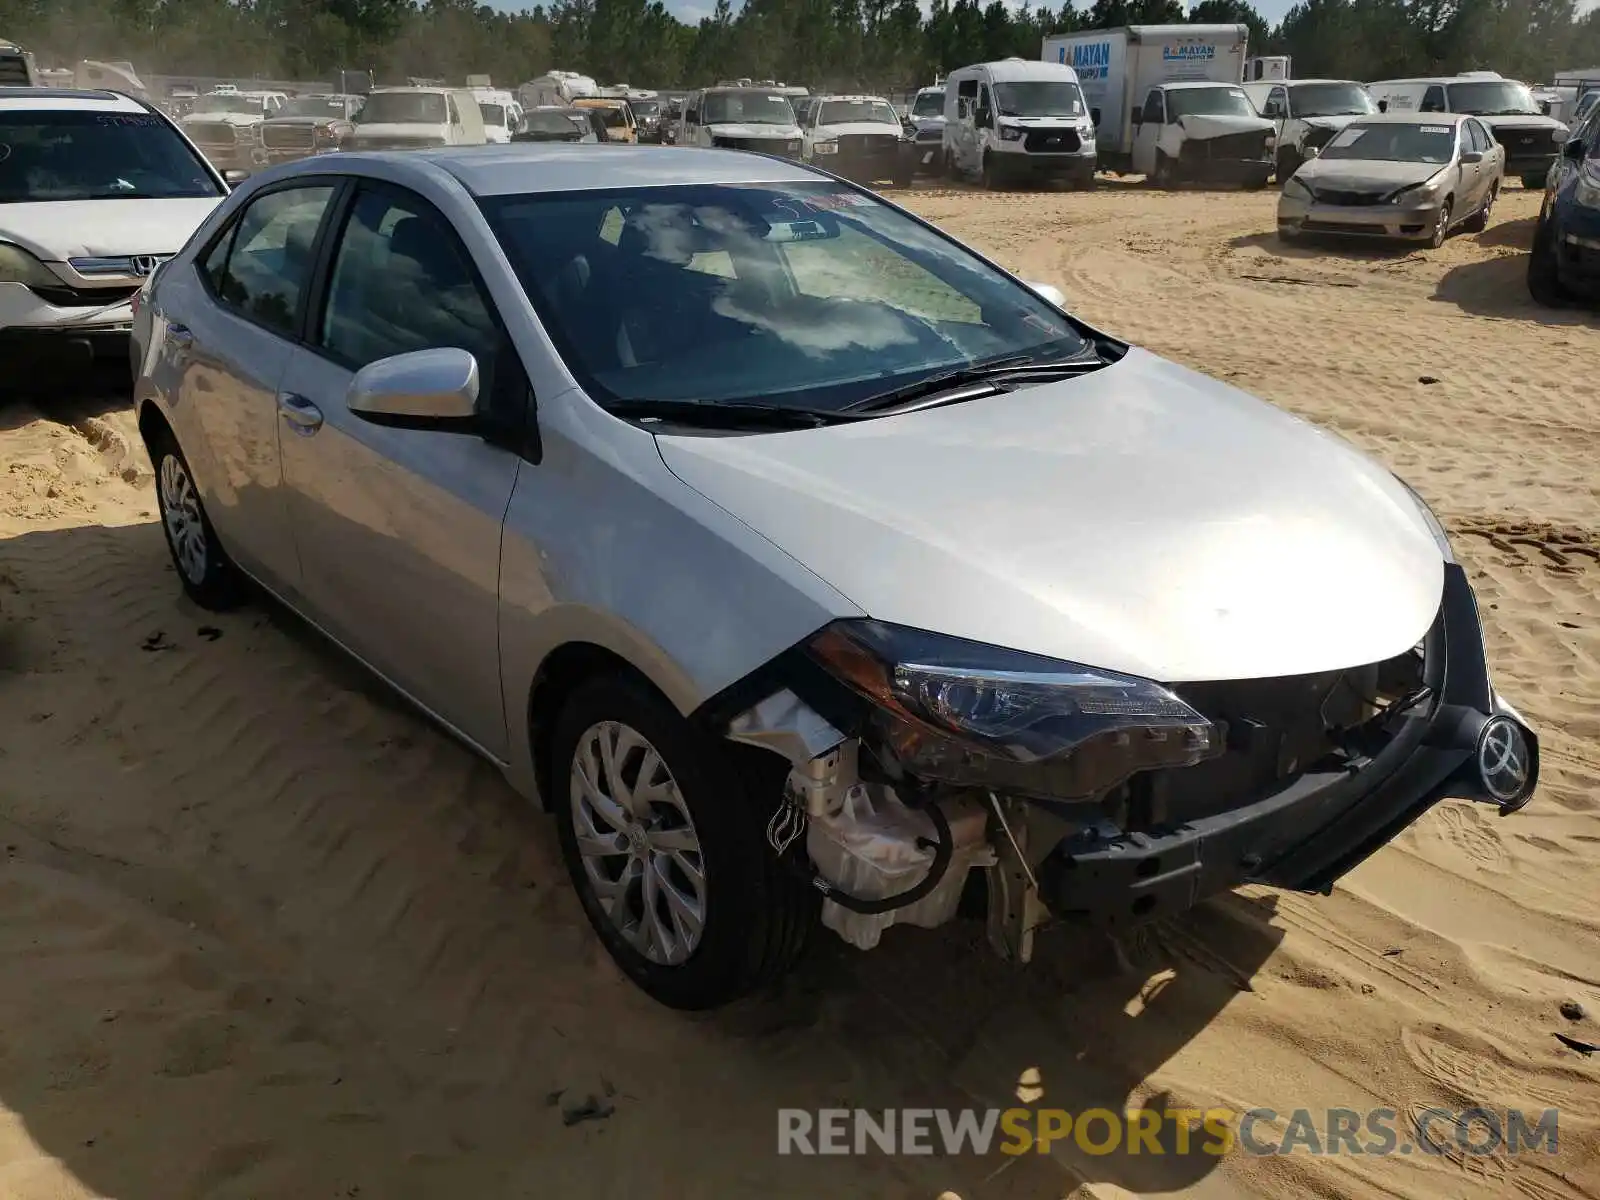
column 1470, row 745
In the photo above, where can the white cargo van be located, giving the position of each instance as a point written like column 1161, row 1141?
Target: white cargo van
column 1119, row 67
column 1017, row 120
column 502, row 115
column 409, row 118
column 1531, row 140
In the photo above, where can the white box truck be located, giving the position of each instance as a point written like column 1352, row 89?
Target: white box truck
column 1118, row 67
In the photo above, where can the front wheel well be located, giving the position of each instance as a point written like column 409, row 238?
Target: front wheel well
column 564, row 669
column 153, row 424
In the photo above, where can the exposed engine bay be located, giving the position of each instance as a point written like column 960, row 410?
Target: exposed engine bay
column 1055, row 791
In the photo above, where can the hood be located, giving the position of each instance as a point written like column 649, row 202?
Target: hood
column 1365, row 175
column 328, row 120
column 1334, row 123
column 1210, row 125
column 221, row 118
column 851, row 128
column 1522, row 121
column 1061, row 121
column 1145, row 518
column 928, row 122
column 776, row 132
column 61, row 229
column 400, row 130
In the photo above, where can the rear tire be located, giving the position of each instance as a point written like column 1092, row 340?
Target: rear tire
column 1544, row 272
column 754, row 914
column 1479, row 221
column 204, row 568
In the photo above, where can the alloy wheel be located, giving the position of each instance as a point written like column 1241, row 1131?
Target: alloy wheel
column 640, row 851
column 180, row 510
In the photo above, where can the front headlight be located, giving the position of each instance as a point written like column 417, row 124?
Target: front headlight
column 1421, row 193
column 824, row 147
column 1586, row 192
column 18, row 266
column 1297, row 190
column 965, row 713
column 1434, row 526
column 1010, row 133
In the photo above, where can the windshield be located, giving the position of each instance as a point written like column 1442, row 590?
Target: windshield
column 646, row 108
column 403, row 108
column 1330, row 100
column 745, row 108
column 1210, row 102
column 1492, row 98
column 844, row 112
column 1039, row 98
column 228, row 104
column 799, row 294
column 556, row 124
column 314, row 106
column 1393, row 142
column 67, row 155
column 493, row 114
column 928, row 104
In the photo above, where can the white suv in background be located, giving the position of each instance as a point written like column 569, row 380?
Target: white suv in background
column 96, row 191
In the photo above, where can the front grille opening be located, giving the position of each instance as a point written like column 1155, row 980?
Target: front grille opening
column 1275, row 731
column 71, row 297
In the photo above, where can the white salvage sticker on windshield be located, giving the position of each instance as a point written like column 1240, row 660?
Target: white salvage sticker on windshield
column 1347, row 137
column 1436, row 129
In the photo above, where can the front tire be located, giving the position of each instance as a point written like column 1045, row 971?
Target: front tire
column 1288, row 163
column 1441, row 226
column 1544, row 272
column 207, row 574
column 991, row 173
column 1165, row 175
column 664, row 837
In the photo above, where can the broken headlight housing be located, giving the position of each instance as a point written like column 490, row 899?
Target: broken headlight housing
column 964, row 713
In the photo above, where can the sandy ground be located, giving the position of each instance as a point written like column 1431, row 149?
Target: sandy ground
column 263, row 933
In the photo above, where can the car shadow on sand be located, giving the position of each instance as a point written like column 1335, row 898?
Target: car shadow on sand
column 26, row 395
column 1311, row 247
column 262, row 928
column 1497, row 286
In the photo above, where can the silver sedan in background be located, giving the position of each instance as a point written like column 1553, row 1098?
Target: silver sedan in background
column 1406, row 176
column 808, row 565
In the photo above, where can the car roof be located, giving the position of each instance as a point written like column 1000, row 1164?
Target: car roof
column 525, row 168
column 1016, row 69
column 67, row 99
column 1198, row 85
column 862, row 99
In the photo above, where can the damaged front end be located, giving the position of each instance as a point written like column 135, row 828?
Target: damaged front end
column 919, row 761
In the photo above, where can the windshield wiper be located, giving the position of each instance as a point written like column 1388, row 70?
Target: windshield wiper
column 719, row 415
column 1014, row 367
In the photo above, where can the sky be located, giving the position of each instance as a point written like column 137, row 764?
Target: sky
column 690, row 11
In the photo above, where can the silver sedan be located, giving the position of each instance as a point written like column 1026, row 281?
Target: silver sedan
column 1411, row 177
column 804, row 562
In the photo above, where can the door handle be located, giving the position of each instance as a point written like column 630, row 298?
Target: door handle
column 179, row 334
column 304, row 417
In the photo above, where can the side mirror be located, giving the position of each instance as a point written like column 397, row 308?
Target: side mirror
column 1047, row 292
column 1574, row 149
column 1094, row 115
column 1468, row 157
column 1383, row 106
column 233, row 177
column 1313, row 151
column 1138, row 115
column 426, row 389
